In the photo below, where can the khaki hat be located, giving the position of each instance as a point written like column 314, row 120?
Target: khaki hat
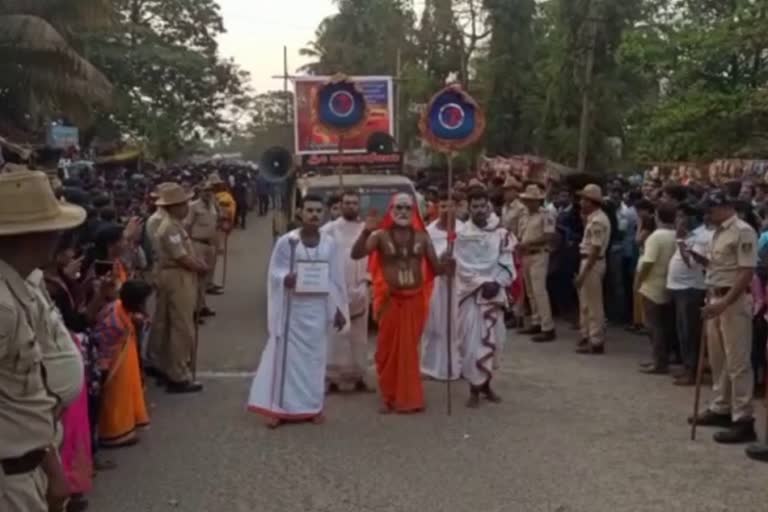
column 28, row 205
column 214, row 180
column 532, row 192
column 593, row 193
column 156, row 193
column 512, row 182
column 172, row 195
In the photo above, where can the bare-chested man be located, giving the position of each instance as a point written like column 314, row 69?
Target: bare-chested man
column 403, row 263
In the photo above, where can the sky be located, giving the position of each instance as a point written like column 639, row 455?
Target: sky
column 257, row 30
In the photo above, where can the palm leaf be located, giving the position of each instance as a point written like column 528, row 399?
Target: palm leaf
column 36, row 55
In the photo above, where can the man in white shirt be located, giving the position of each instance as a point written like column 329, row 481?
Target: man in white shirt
column 685, row 282
column 651, row 283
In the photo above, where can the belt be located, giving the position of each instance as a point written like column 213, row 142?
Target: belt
column 723, row 291
column 206, row 242
column 27, row 463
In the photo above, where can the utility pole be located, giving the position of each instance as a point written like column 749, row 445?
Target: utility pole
column 398, row 99
column 586, row 97
column 285, row 85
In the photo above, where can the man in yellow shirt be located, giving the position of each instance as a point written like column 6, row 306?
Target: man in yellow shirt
column 651, row 283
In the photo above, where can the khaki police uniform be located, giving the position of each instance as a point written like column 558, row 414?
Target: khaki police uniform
column 513, row 216
column 27, row 408
column 535, row 262
column 173, row 330
column 155, row 346
column 202, row 227
column 729, row 336
column 597, row 233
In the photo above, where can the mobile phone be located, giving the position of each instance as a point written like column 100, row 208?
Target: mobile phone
column 102, row 268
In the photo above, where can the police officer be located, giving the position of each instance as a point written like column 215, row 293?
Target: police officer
column 730, row 267
column 202, row 224
column 31, row 478
column 514, row 210
column 536, row 235
column 589, row 281
column 177, row 279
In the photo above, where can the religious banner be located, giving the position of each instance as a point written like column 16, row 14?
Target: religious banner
column 452, row 120
column 312, row 134
column 370, row 161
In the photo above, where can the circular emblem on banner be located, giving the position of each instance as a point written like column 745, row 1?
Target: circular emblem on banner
column 340, row 107
column 451, row 116
column 452, row 120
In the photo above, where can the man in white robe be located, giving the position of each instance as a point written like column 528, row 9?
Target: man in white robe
column 485, row 268
column 434, row 344
column 348, row 350
column 290, row 382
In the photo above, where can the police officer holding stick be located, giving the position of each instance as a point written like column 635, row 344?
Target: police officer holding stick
column 730, row 267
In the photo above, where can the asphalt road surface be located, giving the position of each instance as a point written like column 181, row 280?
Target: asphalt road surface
column 573, row 434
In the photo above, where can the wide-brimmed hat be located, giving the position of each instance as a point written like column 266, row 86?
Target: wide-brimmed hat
column 155, row 194
column 532, row 192
column 28, row 205
column 593, row 193
column 172, row 195
column 512, row 182
column 213, row 181
column 716, row 198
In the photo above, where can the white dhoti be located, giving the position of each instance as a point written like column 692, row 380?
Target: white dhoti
column 434, row 343
column 348, row 351
column 483, row 255
column 300, row 394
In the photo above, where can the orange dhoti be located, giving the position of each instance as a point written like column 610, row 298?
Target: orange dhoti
column 401, row 323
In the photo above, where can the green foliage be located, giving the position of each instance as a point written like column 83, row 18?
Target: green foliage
column 173, row 89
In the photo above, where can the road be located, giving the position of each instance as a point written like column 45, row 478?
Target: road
column 573, row 434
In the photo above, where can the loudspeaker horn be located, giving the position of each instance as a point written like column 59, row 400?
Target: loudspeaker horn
column 276, row 164
column 381, row 143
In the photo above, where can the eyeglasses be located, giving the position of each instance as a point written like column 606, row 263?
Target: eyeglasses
column 402, row 207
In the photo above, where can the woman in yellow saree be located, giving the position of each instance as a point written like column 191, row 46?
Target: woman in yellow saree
column 123, row 409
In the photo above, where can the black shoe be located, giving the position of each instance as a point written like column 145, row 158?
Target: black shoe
column 206, row 311
column 742, row 431
column 712, row 419
column 593, row 350
column 76, row 503
column 179, row 388
column 545, row 337
column 534, row 329
column 757, row 452
column 655, row 370
column 583, row 343
column 217, row 290
column 158, row 375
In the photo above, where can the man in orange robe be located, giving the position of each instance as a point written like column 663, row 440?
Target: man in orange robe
column 403, row 263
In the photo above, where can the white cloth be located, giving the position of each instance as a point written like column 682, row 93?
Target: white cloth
column 434, row 348
column 306, row 349
column 348, row 350
column 680, row 275
column 483, row 255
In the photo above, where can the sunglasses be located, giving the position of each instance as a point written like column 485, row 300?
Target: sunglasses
column 403, row 207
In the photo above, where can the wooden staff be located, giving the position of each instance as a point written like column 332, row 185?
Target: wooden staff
column 449, row 281
column 699, row 375
column 294, row 242
column 197, row 339
column 226, row 259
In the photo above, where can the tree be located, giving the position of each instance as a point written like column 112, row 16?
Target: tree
column 172, row 87
column 44, row 75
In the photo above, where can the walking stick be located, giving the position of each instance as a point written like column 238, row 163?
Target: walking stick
column 294, row 242
column 449, row 336
column 196, row 319
column 226, row 258
column 699, row 375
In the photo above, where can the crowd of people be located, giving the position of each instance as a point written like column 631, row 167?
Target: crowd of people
column 103, row 277
column 446, row 279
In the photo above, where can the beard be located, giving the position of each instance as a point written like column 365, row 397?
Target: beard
column 402, row 221
column 350, row 215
